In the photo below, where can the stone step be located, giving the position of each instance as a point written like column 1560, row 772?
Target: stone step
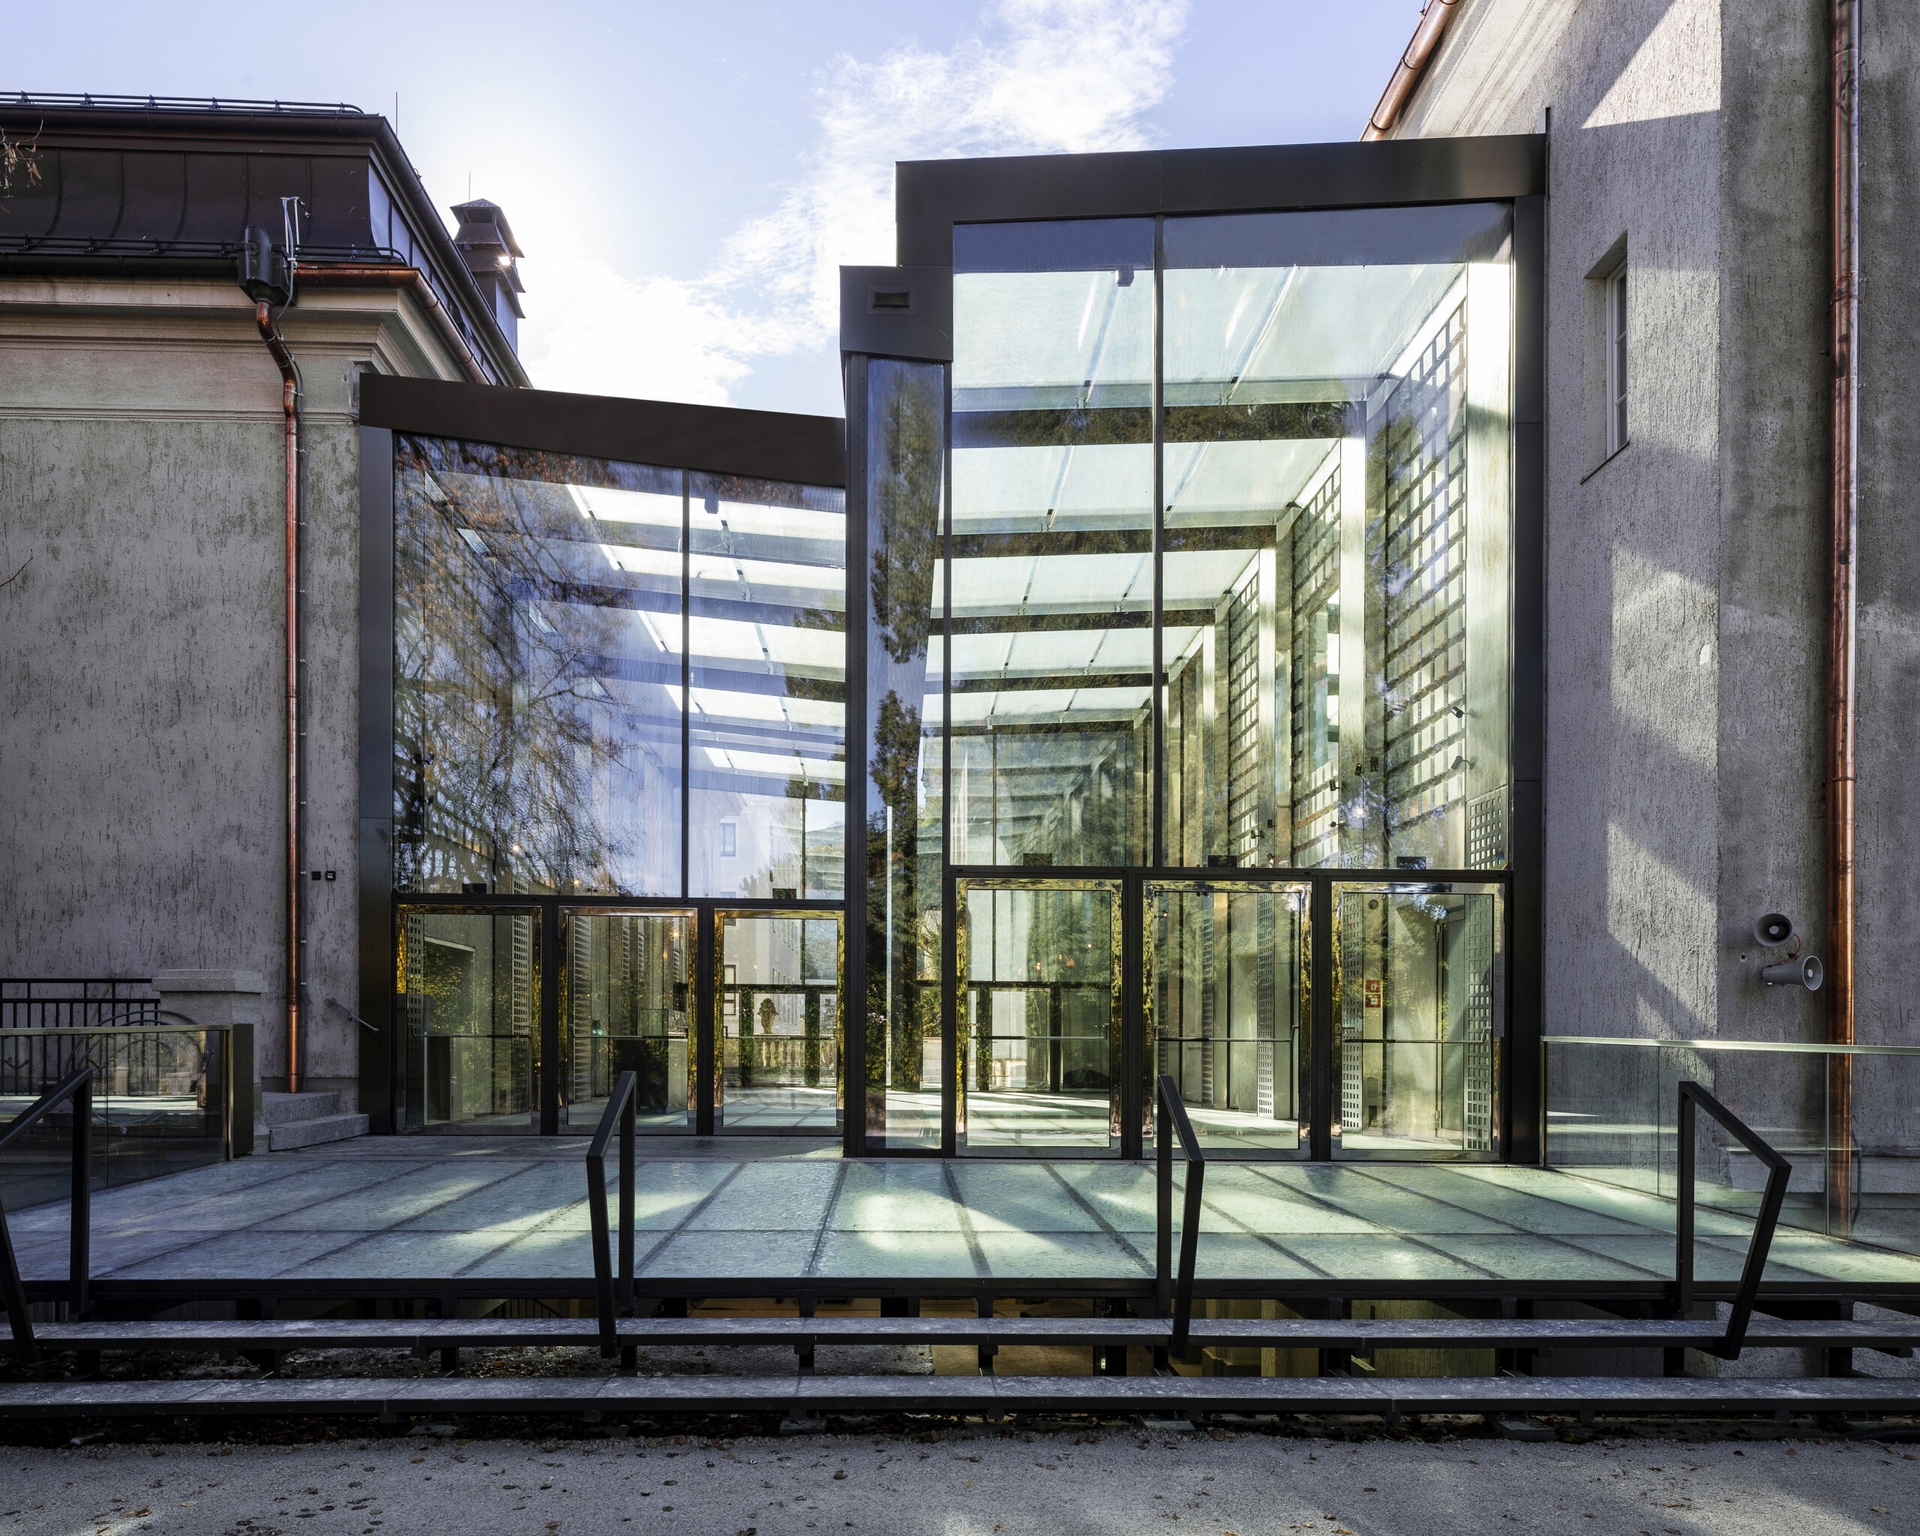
column 287, row 1108
column 1357, row 1336
column 310, row 1133
column 802, row 1396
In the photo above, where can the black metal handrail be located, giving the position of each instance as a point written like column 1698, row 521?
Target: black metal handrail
column 79, row 1088
column 620, row 1112
column 1779, row 1170
column 1173, row 1114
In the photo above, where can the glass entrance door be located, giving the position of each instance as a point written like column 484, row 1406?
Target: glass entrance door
column 1417, row 1019
column 777, row 994
column 1227, row 991
column 626, row 1006
column 1039, row 1017
column 467, row 1000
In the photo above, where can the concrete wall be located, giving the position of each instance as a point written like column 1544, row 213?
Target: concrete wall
column 1687, row 575
column 142, row 790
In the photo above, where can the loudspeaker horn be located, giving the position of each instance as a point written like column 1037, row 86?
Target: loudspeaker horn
column 1805, row 972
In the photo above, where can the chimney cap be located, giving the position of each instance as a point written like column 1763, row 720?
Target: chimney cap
column 484, row 224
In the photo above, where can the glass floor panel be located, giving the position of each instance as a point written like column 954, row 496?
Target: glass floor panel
column 473, row 1208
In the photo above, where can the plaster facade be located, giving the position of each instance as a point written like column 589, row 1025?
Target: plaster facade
column 142, row 779
column 1687, row 573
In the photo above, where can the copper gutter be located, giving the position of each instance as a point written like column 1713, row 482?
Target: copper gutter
column 1413, row 64
column 411, row 279
column 290, row 405
column 1843, row 597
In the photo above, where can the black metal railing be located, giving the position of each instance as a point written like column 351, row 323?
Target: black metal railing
column 13, row 1291
column 76, row 1002
column 1779, row 1170
column 619, row 1112
column 1173, row 1293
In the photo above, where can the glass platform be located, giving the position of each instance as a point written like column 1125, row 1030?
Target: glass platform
column 382, row 1209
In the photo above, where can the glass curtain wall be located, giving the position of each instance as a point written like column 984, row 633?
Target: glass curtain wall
column 905, row 667
column 538, row 639
column 1336, row 531
column 1227, row 589
column 767, row 706
column 1053, row 561
column 551, row 615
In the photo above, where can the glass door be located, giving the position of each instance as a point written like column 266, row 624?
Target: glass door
column 777, row 994
column 467, row 999
column 625, row 1006
column 1227, row 997
column 1417, row 1019
column 1038, row 1016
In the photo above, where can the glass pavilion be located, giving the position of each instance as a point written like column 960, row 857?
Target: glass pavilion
column 1176, row 720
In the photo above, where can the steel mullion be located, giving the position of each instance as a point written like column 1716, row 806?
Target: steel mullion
column 1156, row 768
column 686, row 682
column 949, row 1013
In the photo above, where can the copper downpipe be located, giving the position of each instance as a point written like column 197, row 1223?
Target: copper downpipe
column 1413, row 64
column 1843, row 596
column 290, row 404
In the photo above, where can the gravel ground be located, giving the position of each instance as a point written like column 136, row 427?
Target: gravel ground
column 969, row 1481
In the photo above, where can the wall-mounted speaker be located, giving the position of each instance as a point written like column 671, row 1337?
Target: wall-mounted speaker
column 1805, row 972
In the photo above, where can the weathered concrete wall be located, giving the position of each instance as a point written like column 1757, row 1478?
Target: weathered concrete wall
column 1687, row 575
column 1633, row 542
column 142, row 788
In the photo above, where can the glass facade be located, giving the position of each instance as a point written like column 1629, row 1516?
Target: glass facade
column 619, row 698
column 1178, row 651
column 550, row 615
column 1221, row 559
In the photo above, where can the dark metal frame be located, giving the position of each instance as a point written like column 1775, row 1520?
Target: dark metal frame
column 931, row 198
column 764, row 445
column 1779, row 1171
column 1318, row 1025
column 79, row 1088
column 704, row 910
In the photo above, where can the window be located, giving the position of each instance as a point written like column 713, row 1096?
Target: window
column 729, row 840
column 1617, row 360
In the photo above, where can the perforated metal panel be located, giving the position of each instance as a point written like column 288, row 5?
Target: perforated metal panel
column 1477, row 1027
column 1316, row 591
column 1243, row 717
column 1487, row 830
column 1423, row 550
column 1353, row 1017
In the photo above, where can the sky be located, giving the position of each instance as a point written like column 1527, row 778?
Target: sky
column 686, row 178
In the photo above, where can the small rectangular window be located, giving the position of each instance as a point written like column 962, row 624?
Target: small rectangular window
column 1617, row 361
column 729, row 843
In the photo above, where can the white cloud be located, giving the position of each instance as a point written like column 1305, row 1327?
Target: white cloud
column 1049, row 76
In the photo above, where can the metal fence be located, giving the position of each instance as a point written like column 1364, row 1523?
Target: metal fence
column 76, row 1002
